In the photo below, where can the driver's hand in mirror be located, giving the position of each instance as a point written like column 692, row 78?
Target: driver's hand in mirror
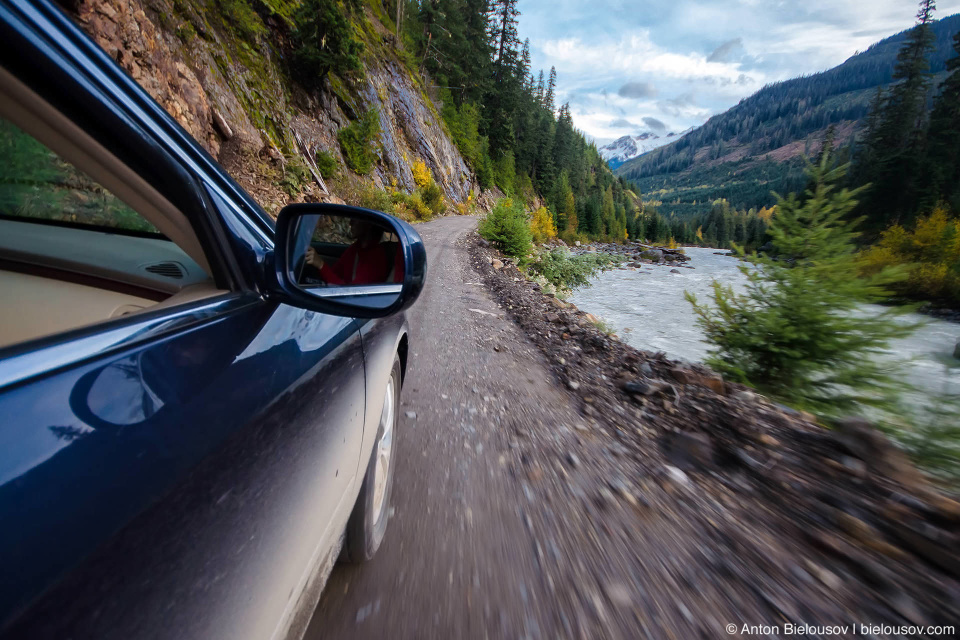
column 313, row 259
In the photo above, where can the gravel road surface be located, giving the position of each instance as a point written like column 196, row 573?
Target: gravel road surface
column 459, row 559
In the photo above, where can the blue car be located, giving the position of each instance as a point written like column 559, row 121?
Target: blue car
column 198, row 404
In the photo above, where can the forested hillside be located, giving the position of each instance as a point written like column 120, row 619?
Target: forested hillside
column 755, row 147
column 504, row 117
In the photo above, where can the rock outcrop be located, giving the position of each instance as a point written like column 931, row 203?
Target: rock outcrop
column 224, row 82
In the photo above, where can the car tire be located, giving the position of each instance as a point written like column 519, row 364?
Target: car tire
column 368, row 521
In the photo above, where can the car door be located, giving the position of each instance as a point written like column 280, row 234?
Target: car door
column 181, row 471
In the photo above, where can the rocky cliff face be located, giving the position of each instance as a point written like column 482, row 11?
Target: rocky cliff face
column 219, row 72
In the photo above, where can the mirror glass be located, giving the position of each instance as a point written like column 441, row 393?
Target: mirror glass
column 359, row 261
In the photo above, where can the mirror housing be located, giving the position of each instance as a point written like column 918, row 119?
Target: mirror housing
column 357, row 301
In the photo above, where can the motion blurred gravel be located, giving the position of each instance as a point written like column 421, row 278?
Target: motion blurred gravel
column 554, row 483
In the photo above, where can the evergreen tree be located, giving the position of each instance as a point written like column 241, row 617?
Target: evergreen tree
column 799, row 332
column 548, row 99
column 943, row 154
column 895, row 145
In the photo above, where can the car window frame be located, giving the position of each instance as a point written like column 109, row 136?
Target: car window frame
column 23, row 49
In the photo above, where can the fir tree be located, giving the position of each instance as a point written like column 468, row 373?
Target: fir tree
column 943, row 154
column 548, row 99
column 800, row 332
column 895, row 145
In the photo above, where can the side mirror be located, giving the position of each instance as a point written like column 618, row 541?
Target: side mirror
column 347, row 261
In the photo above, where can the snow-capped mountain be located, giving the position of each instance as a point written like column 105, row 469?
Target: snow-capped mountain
column 627, row 147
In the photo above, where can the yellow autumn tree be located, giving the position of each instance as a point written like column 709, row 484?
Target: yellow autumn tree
column 700, row 233
column 766, row 213
column 931, row 253
column 541, row 225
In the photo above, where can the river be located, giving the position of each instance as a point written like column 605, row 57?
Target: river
column 646, row 308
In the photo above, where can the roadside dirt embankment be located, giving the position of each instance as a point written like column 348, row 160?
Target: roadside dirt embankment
column 741, row 510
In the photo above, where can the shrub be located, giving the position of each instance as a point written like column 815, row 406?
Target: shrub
column 357, row 142
column 422, row 176
column 432, row 196
column 541, row 226
column 327, row 164
column 506, row 227
column 376, row 199
column 295, row 176
column 565, row 270
column 800, row 331
column 418, row 207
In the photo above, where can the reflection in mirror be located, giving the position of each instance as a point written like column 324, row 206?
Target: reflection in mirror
column 340, row 251
column 345, row 257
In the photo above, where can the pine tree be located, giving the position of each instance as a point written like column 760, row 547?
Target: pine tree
column 548, row 99
column 895, row 145
column 800, row 331
column 943, row 153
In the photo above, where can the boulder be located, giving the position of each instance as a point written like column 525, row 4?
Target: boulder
column 688, row 451
column 652, row 254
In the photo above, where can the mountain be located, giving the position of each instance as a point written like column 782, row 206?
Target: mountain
column 758, row 145
column 629, row 147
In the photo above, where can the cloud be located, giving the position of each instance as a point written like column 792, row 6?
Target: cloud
column 683, row 106
column 635, row 89
column 653, row 123
column 685, row 60
column 623, row 123
column 722, row 53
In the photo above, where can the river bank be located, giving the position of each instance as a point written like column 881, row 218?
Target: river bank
column 647, row 309
column 763, row 513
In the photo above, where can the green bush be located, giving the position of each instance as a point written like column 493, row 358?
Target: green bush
column 357, row 142
column 327, row 164
column 507, row 228
column 432, row 196
column 564, row 270
column 323, row 40
column 376, row 199
column 416, row 205
column 800, row 331
column 295, row 176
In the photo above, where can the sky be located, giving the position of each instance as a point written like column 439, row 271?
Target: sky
column 666, row 65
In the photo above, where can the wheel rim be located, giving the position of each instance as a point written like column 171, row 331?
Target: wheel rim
column 384, row 453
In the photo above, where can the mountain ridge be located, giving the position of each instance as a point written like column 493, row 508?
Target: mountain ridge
column 778, row 123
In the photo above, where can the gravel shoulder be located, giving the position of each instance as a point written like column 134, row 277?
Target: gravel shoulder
column 555, row 483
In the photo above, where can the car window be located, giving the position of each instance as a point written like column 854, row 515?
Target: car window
column 72, row 254
column 37, row 184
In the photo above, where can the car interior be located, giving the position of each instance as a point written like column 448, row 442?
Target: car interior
column 330, row 239
column 83, row 239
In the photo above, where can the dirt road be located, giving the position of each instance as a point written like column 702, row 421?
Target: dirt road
column 459, row 559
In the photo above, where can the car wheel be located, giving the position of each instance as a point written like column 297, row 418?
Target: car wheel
column 368, row 522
